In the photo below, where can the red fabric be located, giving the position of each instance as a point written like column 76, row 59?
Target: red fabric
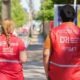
column 9, row 70
column 51, row 24
column 65, row 51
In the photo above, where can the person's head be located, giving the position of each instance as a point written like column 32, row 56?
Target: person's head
column 67, row 13
column 7, row 26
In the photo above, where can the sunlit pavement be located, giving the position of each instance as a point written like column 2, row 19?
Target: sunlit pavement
column 33, row 69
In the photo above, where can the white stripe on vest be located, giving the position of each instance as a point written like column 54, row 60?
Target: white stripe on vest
column 11, row 61
column 64, row 65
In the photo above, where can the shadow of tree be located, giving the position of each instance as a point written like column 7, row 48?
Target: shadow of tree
column 35, row 47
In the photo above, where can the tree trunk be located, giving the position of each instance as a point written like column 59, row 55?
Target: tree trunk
column 6, row 9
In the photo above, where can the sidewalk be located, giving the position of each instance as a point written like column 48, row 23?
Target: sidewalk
column 33, row 69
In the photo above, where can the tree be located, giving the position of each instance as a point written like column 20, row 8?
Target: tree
column 18, row 14
column 46, row 11
column 61, row 1
column 46, row 14
column 6, row 9
column 66, row 1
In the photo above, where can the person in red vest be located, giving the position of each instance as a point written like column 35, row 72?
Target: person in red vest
column 12, row 53
column 62, row 54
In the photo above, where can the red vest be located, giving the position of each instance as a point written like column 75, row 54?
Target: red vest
column 64, row 61
column 10, row 65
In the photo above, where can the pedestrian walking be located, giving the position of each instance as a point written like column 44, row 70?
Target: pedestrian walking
column 12, row 53
column 62, row 53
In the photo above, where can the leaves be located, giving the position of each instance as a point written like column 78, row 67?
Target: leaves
column 17, row 13
column 46, row 11
column 66, row 1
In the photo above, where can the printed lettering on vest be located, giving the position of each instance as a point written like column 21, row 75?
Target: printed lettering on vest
column 8, row 50
column 2, row 43
column 69, row 49
column 66, row 39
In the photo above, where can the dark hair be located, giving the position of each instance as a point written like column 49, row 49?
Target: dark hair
column 67, row 13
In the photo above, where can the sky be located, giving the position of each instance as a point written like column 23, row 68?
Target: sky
column 36, row 4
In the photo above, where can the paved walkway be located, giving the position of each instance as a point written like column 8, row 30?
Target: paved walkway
column 33, row 69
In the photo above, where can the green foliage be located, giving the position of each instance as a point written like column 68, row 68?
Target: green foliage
column 17, row 13
column 46, row 12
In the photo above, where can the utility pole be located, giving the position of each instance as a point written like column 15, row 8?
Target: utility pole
column 31, row 14
column 6, row 6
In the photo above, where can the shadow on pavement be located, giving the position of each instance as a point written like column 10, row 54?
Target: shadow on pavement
column 35, row 47
column 35, row 64
column 34, row 71
column 34, row 79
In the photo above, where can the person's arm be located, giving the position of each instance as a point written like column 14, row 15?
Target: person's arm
column 22, row 52
column 23, row 56
column 46, row 54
